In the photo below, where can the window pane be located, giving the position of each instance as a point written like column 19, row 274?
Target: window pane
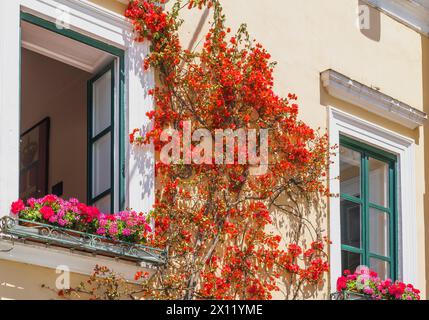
column 379, row 232
column 350, row 163
column 102, row 108
column 350, row 260
column 379, row 182
column 103, row 204
column 101, row 165
column 350, row 223
column 381, row 267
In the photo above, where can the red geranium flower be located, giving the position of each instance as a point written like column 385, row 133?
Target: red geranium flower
column 47, row 212
column 17, row 206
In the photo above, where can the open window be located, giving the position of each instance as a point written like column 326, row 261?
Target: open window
column 70, row 116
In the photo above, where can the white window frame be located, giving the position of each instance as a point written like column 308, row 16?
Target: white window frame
column 98, row 23
column 341, row 123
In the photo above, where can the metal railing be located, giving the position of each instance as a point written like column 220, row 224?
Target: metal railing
column 54, row 235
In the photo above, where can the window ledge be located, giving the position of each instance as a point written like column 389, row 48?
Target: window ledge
column 346, row 89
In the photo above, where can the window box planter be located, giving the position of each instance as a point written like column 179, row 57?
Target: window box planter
column 54, row 235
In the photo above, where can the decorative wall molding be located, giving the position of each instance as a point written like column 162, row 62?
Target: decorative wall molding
column 412, row 13
column 341, row 123
column 346, row 89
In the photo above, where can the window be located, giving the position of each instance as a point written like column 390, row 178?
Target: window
column 88, row 133
column 368, row 208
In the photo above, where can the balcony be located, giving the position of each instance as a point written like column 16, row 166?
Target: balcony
column 49, row 235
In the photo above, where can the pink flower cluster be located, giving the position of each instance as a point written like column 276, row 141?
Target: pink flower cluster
column 126, row 225
column 366, row 281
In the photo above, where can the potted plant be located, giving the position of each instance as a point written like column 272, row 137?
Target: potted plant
column 75, row 218
column 365, row 284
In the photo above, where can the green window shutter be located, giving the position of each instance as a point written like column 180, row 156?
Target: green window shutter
column 368, row 200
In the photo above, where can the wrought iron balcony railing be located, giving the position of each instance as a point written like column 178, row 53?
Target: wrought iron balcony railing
column 49, row 234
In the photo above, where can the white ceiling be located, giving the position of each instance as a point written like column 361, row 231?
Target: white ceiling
column 63, row 49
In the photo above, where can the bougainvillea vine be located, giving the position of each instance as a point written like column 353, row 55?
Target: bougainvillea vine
column 228, row 233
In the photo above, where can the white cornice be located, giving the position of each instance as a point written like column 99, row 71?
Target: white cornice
column 346, row 89
column 413, row 13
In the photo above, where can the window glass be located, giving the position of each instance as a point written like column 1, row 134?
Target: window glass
column 101, row 165
column 102, row 100
column 350, row 261
column 379, row 232
column 350, row 167
column 379, row 182
column 381, row 267
column 350, row 223
column 104, row 204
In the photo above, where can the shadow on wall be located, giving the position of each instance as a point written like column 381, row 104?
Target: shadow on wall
column 143, row 164
column 301, row 220
column 369, row 21
column 425, row 81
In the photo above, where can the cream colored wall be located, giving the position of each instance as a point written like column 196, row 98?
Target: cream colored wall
column 56, row 90
column 309, row 36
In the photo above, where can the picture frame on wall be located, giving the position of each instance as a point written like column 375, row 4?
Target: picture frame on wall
column 34, row 160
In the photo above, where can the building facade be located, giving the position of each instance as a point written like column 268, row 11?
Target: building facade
column 359, row 68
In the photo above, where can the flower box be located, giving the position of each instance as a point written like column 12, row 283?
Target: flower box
column 74, row 216
column 365, row 284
